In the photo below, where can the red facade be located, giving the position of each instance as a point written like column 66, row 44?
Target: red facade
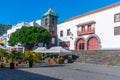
column 86, row 28
column 92, row 44
column 80, row 44
column 79, row 33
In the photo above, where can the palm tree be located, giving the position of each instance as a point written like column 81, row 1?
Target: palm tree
column 32, row 57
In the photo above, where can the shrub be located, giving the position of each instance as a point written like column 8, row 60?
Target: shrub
column 2, row 65
column 32, row 57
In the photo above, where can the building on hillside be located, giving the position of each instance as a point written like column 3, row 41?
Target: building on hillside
column 95, row 30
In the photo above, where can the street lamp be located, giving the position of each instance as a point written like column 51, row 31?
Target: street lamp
column 71, row 35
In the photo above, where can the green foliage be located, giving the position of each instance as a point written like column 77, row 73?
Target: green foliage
column 29, row 36
column 3, row 54
column 16, row 55
column 2, row 65
column 58, row 59
column 32, row 56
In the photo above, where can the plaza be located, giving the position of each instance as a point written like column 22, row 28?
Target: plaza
column 93, row 37
column 75, row 71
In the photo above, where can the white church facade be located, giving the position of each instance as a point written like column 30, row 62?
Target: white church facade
column 95, row 30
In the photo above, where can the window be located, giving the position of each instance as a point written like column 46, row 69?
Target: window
column 46, row 21
column 117, row 30
column 53, row 21
column 83, row 28
column 61, row 33
column 117, row 17
column 68, row 32
column 89, row 27
column 53, row 32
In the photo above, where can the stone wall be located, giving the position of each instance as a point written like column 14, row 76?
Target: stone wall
column 105, row 57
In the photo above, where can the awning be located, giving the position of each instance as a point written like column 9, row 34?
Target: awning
column 57, row 49
column 40, row 49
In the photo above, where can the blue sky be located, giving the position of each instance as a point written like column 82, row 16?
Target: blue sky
column 15, row 11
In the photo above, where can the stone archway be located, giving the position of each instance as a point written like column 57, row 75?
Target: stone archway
column 93, row 42
column 80, row 43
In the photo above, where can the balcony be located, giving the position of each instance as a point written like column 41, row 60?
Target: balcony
column 79, row 33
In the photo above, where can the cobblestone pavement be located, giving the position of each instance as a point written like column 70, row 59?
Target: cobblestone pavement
column 75, row 71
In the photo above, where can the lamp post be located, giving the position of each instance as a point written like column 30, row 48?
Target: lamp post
column 71, row 36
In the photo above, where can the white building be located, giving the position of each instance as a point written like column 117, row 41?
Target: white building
column 98, row 29
column 37, row 23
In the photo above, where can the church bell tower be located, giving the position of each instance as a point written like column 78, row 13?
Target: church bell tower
column 50, row 23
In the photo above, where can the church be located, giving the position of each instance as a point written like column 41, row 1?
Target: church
column 95, row 30
column 49, row 22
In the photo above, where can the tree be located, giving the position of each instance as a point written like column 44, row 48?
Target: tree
column 32, row 57
column 29, row 36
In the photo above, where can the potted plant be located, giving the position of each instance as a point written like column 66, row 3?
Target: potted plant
column 32, row 57
column 58, row 60
column 2, row 65
column 14, row 57
column 53, row 59
column 48, row 60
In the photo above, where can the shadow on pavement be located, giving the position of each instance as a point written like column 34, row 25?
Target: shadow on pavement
column 52, row 65
column 38, row 65
column 14, row 74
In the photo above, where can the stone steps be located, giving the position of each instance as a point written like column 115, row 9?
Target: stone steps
column 107, row 57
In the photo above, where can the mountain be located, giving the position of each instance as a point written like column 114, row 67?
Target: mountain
column 4, row 28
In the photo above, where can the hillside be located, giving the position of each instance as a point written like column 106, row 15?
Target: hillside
column 4, row 28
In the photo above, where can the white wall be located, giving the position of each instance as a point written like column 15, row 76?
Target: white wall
column 104, row 28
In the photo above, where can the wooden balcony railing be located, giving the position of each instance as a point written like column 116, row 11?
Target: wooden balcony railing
column 79, row 33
